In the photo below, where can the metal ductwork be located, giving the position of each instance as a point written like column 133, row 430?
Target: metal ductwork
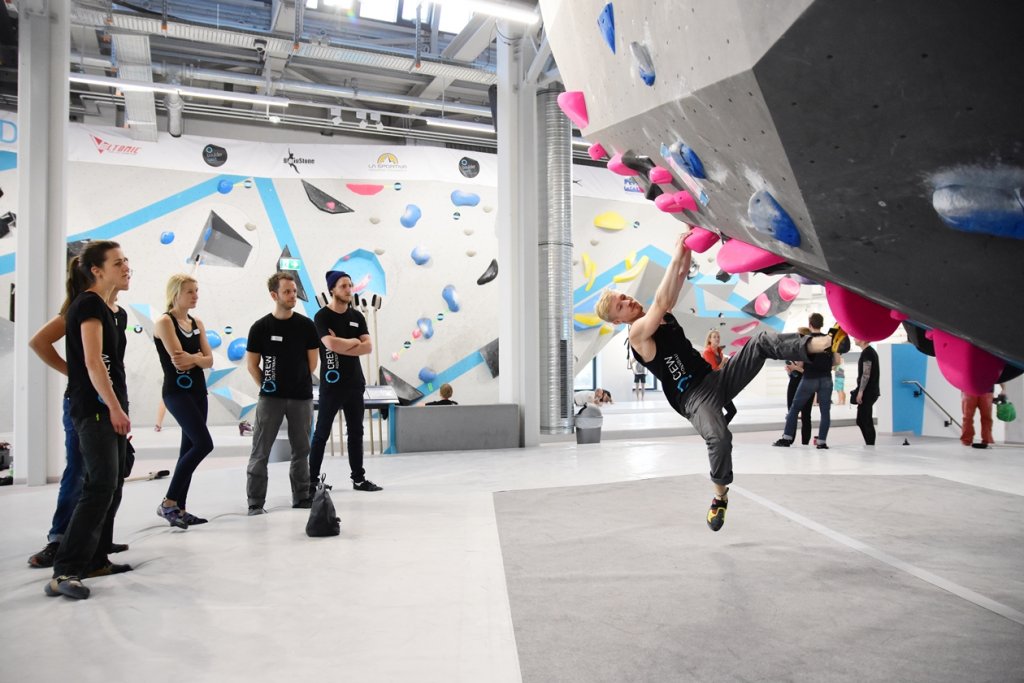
column 132, row 59
column 175, row 106
column 145, row 25
column 555, row 259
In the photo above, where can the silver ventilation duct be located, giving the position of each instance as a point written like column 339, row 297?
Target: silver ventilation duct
column 175, row 106
column 555, row 251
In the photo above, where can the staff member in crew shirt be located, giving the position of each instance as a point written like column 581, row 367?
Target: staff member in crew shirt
column 281, row 356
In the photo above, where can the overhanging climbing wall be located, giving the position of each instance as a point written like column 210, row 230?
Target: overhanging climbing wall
column 889, row 136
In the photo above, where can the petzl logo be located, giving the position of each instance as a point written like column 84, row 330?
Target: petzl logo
column 110, row 148
column 387, row 162
column 214, row 155
column 295, row 161
column 630, row 185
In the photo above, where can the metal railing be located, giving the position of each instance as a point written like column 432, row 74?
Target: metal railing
column 921, row 390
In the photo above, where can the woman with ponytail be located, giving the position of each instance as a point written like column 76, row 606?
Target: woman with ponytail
column 184, row 353
column 44, row 344
column 98, row 405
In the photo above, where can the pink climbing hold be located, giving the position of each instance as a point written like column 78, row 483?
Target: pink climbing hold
column 788, row 289
column 616, row 166
column 964, row 365
column 898, row 317
column 860, row 317
column 699, row 240
column 667, row 203
column 740, row 341
column 574, row 106
column 660, row 175
column 745, row 327
column 330, row 205
column 739, row 257
column 762, row 304
column 364, row 189
column 684, row 200
column 597, row 151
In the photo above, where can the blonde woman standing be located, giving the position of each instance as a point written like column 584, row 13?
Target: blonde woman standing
column 184, row 353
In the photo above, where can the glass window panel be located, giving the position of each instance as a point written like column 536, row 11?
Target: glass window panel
column 453, row 18
column 380, row 10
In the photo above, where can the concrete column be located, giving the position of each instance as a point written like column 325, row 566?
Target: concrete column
column 519, row 340
column 43, row 55
column 1015, row 393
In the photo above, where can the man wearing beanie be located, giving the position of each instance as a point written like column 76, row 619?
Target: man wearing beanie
column 281, row 356
column 343, row 338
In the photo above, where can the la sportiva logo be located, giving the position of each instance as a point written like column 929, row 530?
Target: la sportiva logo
column 387, row 162
column 295, row 161
column 104, row 146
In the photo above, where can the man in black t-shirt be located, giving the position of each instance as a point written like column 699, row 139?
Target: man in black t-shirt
column 692, row 388
column 867, row 391
column 817, row 380
column 344, row 337
column 281, row 356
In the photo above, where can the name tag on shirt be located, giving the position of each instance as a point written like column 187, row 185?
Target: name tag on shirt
column 276, row 337
column 353, row 324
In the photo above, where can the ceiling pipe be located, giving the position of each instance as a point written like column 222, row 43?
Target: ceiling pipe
column 175, row 106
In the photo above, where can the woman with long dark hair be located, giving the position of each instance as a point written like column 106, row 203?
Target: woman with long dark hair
column 99, row 404
column 184, row 354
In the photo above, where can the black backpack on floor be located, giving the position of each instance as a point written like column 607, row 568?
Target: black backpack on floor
column 323, row 521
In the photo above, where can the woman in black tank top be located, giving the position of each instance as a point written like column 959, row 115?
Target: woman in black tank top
column 184, row 353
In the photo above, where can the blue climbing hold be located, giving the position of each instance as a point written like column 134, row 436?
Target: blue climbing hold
column 606, row 22
column 411, row 216
column 420, row 255
column 213, row 339
column 427, row 375
column 166, row 237
column 769, row 217
column 643, row 62
column 426, row 327
column 236, row 349
column 225, row 186
column 451, row 298
column 995, row 211
column 460, row 198
column 683, row 154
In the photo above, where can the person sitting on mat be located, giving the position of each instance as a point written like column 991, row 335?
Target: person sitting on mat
column 691, row 387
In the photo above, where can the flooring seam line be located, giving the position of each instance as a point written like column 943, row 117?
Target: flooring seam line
column 922, row 574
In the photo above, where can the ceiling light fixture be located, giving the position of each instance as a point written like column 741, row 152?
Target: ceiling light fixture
column 183, row 90
column 461, row 125
column 509, row 11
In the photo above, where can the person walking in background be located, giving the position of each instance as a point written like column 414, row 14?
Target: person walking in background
column 281, row 356
column 839, row 383
column 44, row 344
column 639, row 379
column 795, row 371
column 983, row 404
column 867, row 390
column 817, row 381
column 446, row 396
column 99, row 410
column 713, row 355
column 342, row 338
column 184, row 353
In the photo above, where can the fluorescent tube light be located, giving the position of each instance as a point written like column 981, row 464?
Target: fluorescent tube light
column 461, row 125
column 183, row 90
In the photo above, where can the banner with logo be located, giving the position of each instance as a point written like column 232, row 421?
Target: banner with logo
column 381, row 163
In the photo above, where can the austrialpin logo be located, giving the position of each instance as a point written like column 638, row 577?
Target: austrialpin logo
column 104, row 146
column 214, row 155
column 294, row 161
column 387, row 162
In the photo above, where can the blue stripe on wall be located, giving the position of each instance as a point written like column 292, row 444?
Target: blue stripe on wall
column 8, row 160
column 908, row 410
column 285, row 237
column 449, row 374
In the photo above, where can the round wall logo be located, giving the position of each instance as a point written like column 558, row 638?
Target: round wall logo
column 469, row 167
column 214, row 155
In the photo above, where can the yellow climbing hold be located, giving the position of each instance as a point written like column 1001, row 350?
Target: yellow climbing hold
column 587, row 319
column 606, row 329
column 633, row 272
column 630, row 259
column 589, row 270
column 609, row 220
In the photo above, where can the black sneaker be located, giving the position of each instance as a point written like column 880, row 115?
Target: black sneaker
column 117, row 548
column 256, row 510
column 366, row 485
column 71, row 586
column 303, row 504
column 108, row 569
column 44, row 558
column 821, row 446
column 716, row 513
column 783, row 443
column 191, row 519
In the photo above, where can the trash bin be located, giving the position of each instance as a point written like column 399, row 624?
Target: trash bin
column 588, row 425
